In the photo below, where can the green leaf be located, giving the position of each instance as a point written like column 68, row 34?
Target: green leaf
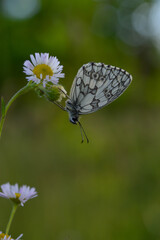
column 2, row 106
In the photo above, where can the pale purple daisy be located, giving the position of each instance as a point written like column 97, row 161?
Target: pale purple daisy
column 43, row 69
column 17, row 194
column 4, row 236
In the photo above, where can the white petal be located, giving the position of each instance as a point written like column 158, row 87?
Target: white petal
column 33, row 60
column 28, row 64
column 28, row 71
column 44, row 57
column 38, row 58
column 3, row 195
column 19, row 236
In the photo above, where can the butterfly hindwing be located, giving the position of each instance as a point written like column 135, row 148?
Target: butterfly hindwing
column 96, row 85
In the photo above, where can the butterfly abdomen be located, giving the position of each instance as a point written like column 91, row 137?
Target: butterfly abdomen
column 72, row 111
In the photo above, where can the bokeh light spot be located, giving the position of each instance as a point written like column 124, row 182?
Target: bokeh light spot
column 19, row 9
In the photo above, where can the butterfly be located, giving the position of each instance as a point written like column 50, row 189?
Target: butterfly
column 95, row 86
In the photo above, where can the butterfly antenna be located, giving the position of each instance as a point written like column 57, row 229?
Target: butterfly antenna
column 82, row 131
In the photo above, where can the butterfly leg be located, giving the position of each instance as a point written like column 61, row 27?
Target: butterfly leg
column 59, row 105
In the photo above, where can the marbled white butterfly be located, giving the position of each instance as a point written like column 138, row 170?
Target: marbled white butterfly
column 95, row 86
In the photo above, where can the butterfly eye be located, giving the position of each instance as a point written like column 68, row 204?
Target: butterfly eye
column 74, row 120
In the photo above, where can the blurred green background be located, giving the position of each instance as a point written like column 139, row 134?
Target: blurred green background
column 107, row 189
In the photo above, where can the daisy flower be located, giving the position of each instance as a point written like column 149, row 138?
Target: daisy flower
column 43, row 69
column 17, row 194
column 7, row 237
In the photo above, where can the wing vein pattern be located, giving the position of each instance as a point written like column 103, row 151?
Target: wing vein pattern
column 97, row 85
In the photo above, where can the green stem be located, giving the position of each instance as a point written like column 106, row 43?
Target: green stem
column 23, row 90
column 11, row 217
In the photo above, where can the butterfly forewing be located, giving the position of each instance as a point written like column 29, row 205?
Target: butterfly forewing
column 96, row 85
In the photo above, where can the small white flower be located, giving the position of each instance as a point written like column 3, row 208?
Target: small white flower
column 7, row 237
column 17, row 194
column 43, row 69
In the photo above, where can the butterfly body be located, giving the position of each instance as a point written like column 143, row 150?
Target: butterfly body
column 95, row 86
column 72, row 110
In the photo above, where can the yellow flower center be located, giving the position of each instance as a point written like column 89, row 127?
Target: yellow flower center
column 2, row 235
column 43, row 69
column 17, row 195
column 16, row 200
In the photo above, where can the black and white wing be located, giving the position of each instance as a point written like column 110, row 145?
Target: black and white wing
column 96, row 85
